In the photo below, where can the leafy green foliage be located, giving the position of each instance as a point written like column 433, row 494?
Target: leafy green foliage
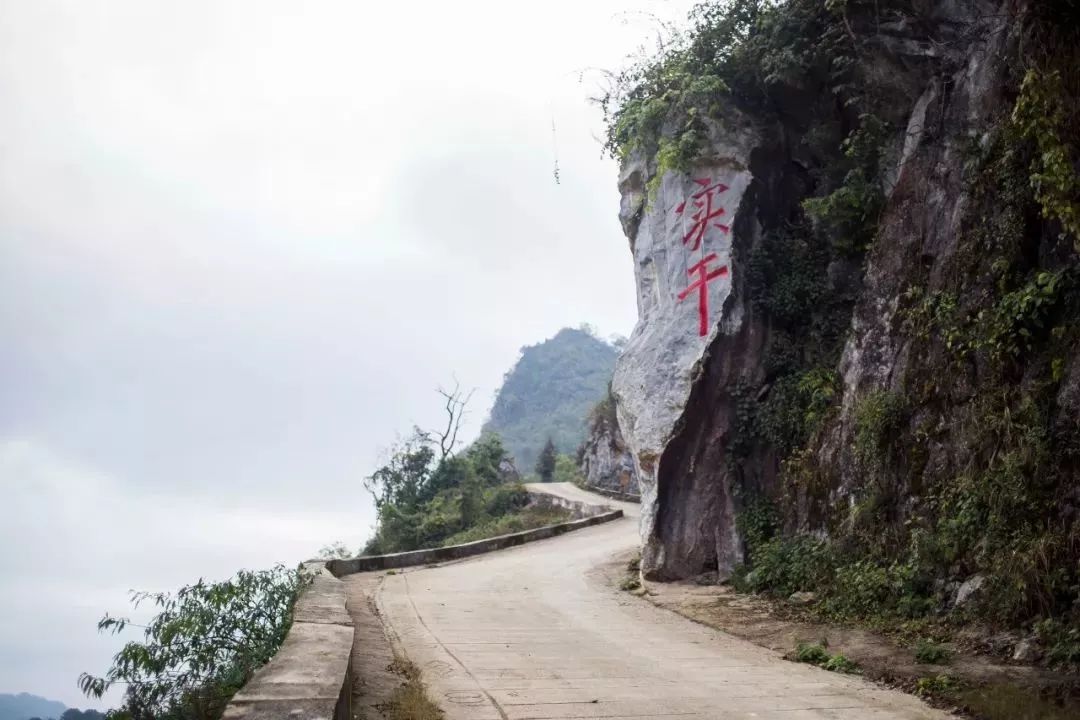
column 878, row 417
column 745, row 424
column 738, row 50
column 545, row 464
column 757, row 523
column 936, row 685
column 492, row 525
column 782, row 566
column 1019, row 319
column 796, row 406
column 1061, row 641
column 206, row 640
column 549, row 393
column 840, row 664
column 850, row 586
column 1042, row 117
column 929, row 652
column 848, row 215
column 334, row 550
column 567, row 471
column 811, row 653
column 816, row 654
column 426, row 501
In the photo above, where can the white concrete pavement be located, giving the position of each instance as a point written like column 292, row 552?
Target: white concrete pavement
column 530, row 634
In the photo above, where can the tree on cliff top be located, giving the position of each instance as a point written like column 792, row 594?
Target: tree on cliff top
column 205, row 642
column 427, row 495
column 545, row 465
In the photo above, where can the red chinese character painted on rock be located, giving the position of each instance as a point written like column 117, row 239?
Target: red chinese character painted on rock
column 703, row 201
column 701, row 284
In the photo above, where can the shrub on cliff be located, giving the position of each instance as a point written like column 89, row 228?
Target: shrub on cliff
column 426, row 495
column 545, row 464
column 205, row 642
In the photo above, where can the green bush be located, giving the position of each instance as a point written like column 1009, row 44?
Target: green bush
column 504, row 499
column 1042, row 115
column 936, row 685
column 1061, row 641
column 783, row 566
column 839, row 663
column 816, row 654
column 848, row 216
column 811, row 653
column 878, row 417
column 424, row 501
column 1019, row 319
column 868, row 589
column 527, row 519
column 739, row 49
column 796, row 406
column 567, row 471
column 929, row 652
column 204, row 643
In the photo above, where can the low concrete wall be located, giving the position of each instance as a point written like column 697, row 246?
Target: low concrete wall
column 613, row 494
column 456, row 552
column 309, row 676
column 579, row 509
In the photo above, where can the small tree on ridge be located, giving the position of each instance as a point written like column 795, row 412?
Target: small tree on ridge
column 545, row 465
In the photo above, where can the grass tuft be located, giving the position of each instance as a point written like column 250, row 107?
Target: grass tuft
column 816, row 654
column 411, row 701
column 929, row 652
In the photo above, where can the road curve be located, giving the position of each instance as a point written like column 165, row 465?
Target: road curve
column 530, row 634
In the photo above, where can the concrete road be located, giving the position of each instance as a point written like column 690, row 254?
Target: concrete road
column 533, row 633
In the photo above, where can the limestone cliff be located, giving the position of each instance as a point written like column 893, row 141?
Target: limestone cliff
column 681, row 235
column 605, row 461
column 857, row 295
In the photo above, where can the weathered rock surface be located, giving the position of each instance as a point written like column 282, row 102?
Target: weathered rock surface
column 606, row 462
column 969, row 590
column 683, row 389
column 1026, row 651
column 682, row 240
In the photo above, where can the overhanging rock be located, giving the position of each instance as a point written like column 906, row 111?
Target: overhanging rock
column 681, row 239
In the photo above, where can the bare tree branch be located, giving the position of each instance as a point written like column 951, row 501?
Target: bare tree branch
column 455, row 413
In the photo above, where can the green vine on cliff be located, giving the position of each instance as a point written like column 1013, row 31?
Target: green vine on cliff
column 1041, row 116
column 736, row 52
column 849, row 214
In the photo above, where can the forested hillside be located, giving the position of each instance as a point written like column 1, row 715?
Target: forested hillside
column 25, row 705
column 549, row 393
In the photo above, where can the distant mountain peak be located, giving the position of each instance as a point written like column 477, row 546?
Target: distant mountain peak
column 549, row 393
column 25, row 705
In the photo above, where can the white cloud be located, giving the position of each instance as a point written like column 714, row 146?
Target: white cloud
column 76, row 541
column 241, row 243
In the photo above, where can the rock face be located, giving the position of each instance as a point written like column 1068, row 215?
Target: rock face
column 700, row 385
column 606, row 462
column 682, row 240
column 969, row 590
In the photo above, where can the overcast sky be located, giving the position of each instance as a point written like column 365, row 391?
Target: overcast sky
column 240, row 245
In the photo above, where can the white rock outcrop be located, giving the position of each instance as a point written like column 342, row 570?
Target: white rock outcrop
column 681, row 239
